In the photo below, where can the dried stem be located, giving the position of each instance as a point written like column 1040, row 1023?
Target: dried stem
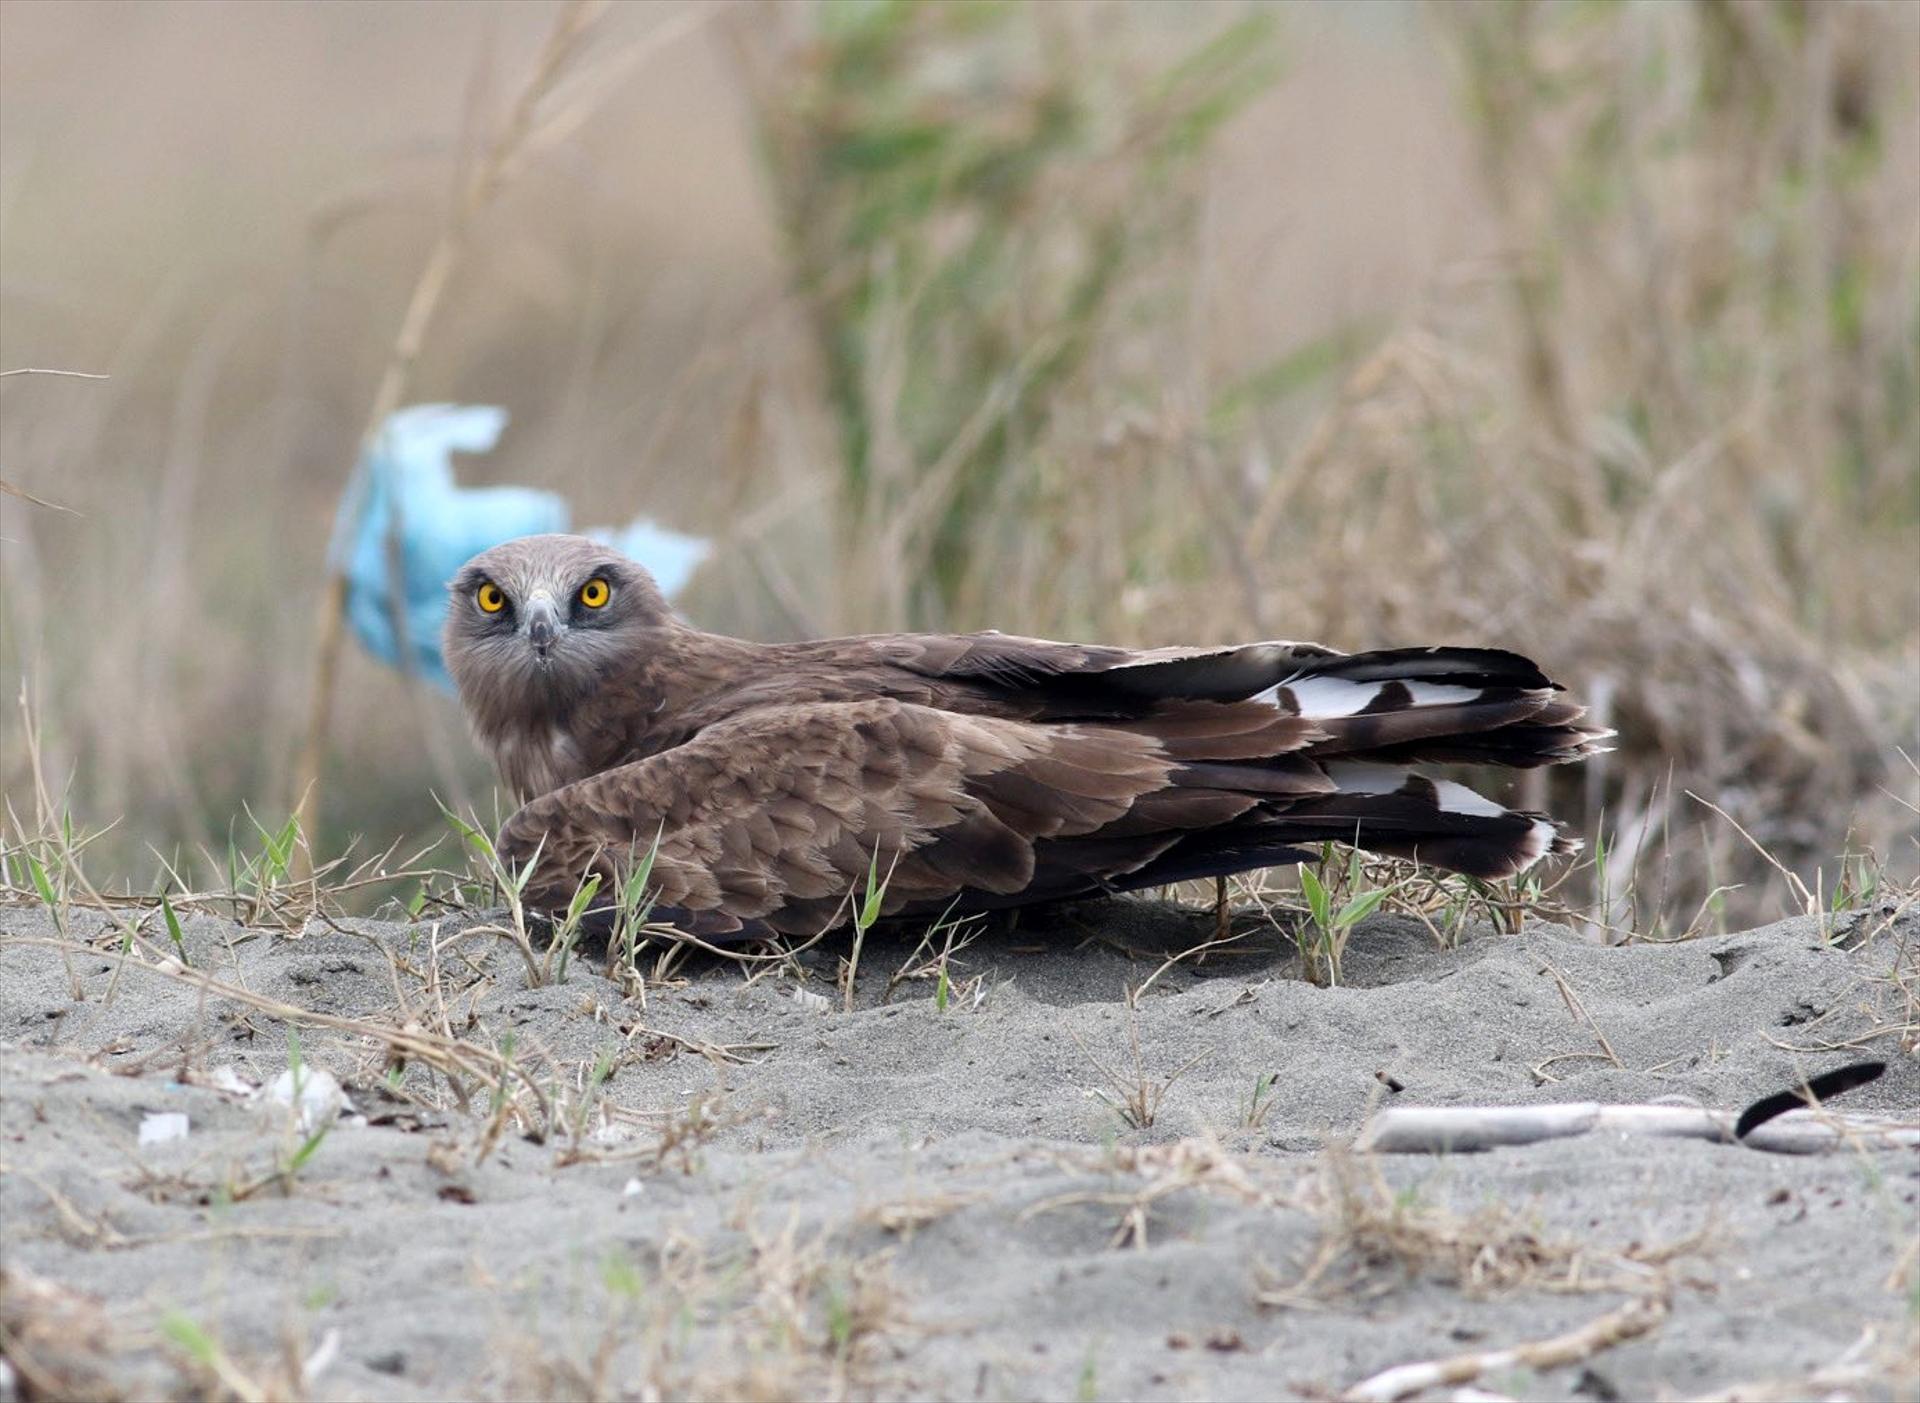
column 487, row 179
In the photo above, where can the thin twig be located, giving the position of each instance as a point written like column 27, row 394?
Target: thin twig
column 1579, row 1010
column 26, row 496
column 1809, row 906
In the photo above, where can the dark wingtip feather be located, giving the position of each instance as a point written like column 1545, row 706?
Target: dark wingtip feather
column 1443, row 664
column 1817, row 1089
column 1520, row 746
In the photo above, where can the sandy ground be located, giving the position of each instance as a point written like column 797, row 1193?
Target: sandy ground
column 766, row 1196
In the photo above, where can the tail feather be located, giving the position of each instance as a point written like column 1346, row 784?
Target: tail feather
column 1351, row 730
column 1405, row 812
column 1437, row 705
column 1475, row 705
column 1233, row 674
column 1309, row 746
column 1474, row 713
column 1459, row 667
column 1524, row 746
column 1490, row 846
column 1386, row 809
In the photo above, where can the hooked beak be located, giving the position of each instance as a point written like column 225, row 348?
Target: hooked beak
column 543, row 623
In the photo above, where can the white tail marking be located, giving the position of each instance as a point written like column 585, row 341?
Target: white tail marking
column 1335, row 696
column 1359, row 777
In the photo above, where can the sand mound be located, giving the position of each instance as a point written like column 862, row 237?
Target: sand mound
column 744, row 1191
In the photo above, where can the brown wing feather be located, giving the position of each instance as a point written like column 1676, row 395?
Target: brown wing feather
column 767, row 818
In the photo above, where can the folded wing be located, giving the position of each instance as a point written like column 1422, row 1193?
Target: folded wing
column 770, row 821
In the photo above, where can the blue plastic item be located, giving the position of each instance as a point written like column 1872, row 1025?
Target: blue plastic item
column 443, row 525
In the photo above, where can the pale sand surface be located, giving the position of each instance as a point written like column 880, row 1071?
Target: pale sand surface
column 900, row 1201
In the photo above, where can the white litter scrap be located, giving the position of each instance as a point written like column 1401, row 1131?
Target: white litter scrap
column 226, row 1079
column 812, row 1002
column 322, row 1357
column 609, row 1133
column 158, row 1127
column 313, row 1093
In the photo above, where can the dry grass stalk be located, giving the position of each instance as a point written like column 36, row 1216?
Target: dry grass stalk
column 1877, row 1365
column 1165, row 1171
column 924, row 962
column 904, row 1216
column 1136, row 1099
column 10, row 490
column 773, row 1315
column 1580, row 1014
column 571, row 28
column 1375, row 1238
column 7, row 487
column 1809, row 904
column 1625, row 1322
column 455, row 1060
column 59, row 1342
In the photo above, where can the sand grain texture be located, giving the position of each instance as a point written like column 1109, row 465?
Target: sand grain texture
column 904, row 1202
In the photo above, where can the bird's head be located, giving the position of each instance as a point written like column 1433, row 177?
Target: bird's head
column 536, row 623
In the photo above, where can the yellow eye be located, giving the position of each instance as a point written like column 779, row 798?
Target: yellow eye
column 594, row 593
column 489, row 598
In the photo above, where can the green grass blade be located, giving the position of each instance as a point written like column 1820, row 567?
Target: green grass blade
column 1361, row 907
column 876, row 893
column 1318, row 901
column 173, row 930
column 40, row 882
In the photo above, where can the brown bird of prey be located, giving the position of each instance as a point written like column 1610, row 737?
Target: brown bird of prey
column 973, row 771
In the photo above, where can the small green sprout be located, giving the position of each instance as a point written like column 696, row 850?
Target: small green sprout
column 1332, row 927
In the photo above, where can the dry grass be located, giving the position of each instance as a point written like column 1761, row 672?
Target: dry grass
column 1376, row 1239
column 762, row 1315
column 772, row 1315
column 63, row 1344
column 1877, row 1365
column 1131, row 1092
column 431, row 1049
column 1640, row 403
column 767, row 1308
column 1152, row 1174
column 58, row 1342
column 759, row 1311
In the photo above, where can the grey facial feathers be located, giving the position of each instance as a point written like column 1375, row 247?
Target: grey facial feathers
column 534, row 625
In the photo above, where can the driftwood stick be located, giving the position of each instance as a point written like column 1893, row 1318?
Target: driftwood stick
column 1636, row 1317
column 1459, row 1129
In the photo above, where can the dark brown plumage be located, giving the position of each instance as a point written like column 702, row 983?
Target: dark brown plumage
column 984, row 770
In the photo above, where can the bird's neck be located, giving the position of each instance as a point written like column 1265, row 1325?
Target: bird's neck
column 664, row 688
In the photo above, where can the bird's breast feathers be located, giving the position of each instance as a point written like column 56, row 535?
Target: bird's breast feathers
column 538, row 759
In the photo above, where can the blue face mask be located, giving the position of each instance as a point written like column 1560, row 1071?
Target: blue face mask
column 405, row 480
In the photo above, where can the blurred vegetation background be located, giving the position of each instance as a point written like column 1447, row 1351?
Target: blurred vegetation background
column 1587, row 329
